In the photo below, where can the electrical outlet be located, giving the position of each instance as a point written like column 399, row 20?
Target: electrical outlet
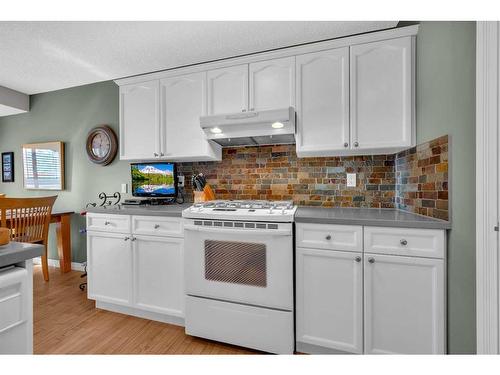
column 124, row 188
column 180, row 181
column 351, row 179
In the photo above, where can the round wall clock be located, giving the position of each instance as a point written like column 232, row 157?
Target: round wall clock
column 102, row 145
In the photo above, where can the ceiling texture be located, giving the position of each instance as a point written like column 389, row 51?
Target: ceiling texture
column 38, row 57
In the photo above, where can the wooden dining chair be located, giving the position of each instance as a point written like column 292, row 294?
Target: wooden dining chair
column 28, row 220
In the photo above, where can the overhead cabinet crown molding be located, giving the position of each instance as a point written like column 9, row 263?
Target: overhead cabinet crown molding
column 352, row 95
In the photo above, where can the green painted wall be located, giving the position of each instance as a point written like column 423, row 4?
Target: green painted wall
column 446, row 105
column 67, row 115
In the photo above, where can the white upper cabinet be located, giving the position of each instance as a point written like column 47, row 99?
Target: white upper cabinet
column 228, row 90
column 323, row 102
column 329, row 303
column 183, row 101
column 381, row 94
column 272, row 84
column 404, row 305
column 139, row 120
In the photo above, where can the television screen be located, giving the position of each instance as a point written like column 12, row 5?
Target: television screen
column 153, row 180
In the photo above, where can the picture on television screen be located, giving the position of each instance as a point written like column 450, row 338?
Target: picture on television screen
column 153, row 179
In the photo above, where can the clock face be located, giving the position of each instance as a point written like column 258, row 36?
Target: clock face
column 102, row 145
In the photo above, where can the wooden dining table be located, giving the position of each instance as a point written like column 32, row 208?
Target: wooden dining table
column 62, row 219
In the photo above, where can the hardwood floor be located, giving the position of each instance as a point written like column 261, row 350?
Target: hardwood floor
column 66, row 322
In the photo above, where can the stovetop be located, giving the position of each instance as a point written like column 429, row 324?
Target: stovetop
column 253, row 210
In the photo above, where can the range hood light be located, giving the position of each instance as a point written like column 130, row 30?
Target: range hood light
column 216, row 130
column 277, row 125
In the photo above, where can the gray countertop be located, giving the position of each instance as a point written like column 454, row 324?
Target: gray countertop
column 350, row 216
column 171, row 210
column 368, row 216
column 16, row 252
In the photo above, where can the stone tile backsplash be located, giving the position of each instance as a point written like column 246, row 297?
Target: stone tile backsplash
column 422, row 179
column 275, row 173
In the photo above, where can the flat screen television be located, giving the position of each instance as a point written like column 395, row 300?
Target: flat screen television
column 154, row 180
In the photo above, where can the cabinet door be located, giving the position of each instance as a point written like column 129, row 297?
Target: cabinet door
column 272, row 84
column 139, row 120
column 109, row 261
column 228, row 90
column 323, row 102
column 329, row 299
column 158, row 274
column 183, row 101
column 404, row 305
column 381, row 94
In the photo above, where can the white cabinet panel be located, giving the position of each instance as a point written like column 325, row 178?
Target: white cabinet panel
column 272, row 84
column 404, row 305
column 330, row 236
column 109, row 259
column 330, row 299
column 381, row 94
column 157, row 226
column 228, row 90
column 139, row 120
column 108, row 223
column 429, row 243
column 158, row 274
column 183, row 101
column 323, row 102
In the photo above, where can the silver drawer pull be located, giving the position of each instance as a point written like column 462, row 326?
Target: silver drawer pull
column 126, row 238
column 403, row 242
column 328, row 237
column 157, row 226
column 371, row 260
column 107, row 223
column 133, row 239
column 357, row 259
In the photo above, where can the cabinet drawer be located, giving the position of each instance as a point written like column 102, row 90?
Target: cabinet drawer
column 157, row 226
column 108, row 223
column 405, row 241
column 331, row 237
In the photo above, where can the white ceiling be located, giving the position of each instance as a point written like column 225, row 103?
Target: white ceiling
column 44, row 56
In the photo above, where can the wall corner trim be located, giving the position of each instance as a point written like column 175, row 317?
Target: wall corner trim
column 487, row 203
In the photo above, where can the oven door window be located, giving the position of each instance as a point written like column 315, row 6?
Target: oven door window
column 236, row 262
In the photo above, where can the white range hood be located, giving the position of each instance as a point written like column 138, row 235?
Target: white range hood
column 13, row 102
column 276, row 126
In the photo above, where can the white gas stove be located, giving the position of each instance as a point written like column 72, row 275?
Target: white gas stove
column 239, row 273
column 248, row 210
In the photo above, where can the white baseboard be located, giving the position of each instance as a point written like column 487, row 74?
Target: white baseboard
column 55, row 263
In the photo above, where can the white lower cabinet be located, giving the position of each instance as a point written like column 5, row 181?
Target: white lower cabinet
column 372, row 303
column 109, row 262
column 404, row 305
column 329, row 301
column 158, row 274
column 138, row 274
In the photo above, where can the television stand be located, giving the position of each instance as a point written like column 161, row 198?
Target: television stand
column 148, row 202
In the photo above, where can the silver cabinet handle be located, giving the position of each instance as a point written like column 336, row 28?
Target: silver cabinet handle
column 162, row 154
column 107, row 223
column 346, row 144
column 328, row 238
column 371, row 260
column 157, row 226
column 356, row 144
column 357, row 259
column 126, row 238
column 156, row 155
column 243, row 110
column 133, row 239
column 403, row 242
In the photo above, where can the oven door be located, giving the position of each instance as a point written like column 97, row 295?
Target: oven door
column 232, row 262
